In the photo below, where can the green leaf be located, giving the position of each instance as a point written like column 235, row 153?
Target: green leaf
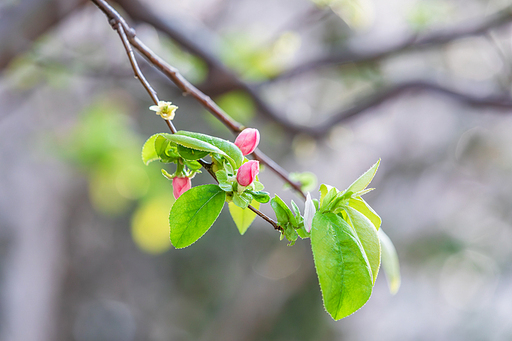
column 327, row 199
column 361, row 205
column 228, row 148
column 341, row 265
column 194, row 213
column 280, row 212
column 361, row 193
column 226, row 186
column 364, row 180
column 260, row 196
column 193, row 143
column 193, row 165
column 240, row 200
column 258, row 186
column 324, row 189
column 222, row 176
column 191, row 154
column 243, row 217
column 290, row 233
column 303, row 234
column 298, row 217
column 158, row 148
column 367, row 234
column 165, row 149
column 284, row 211
column 148, row 150
column 390, row 262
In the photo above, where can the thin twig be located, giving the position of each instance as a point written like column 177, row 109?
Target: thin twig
column 120, row 26
column 265, row 217
column 135, row 66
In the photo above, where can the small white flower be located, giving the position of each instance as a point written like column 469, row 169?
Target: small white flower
column 309, row 213
column 164, row 109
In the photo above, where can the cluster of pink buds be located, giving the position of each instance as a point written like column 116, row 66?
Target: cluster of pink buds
column 247, row 141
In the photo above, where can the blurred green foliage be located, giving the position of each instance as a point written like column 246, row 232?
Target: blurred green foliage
column 426, row 13
column 256, row 61
column 105, row 147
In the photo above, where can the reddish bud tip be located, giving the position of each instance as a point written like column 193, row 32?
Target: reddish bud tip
column 248, row 140
column 247, row 173
column 180, row 186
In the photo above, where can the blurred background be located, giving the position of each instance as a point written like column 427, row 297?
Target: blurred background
column 332, row 85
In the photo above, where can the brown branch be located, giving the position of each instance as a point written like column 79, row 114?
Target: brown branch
column 412, row 42
column 135, row 66
column 189, row 89
column 497, row 102
column 225, row 79
column 119, row 25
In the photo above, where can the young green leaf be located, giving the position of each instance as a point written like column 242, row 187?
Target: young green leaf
column 148, row 150
column 240, row 200
column 280, row 212
column 258, row 186
column 361, row 205
column 191, row 154
column 303, row 234
column 278, row 202
column 193, row 143
column 222, row 176
column 390, row 262
column 229, row 149
column 324, row 189
column 364, row 180
column 367, row 234
column 156, row 148
column 341, row 265
column 260, row 196
column 243, row 217
column 290, row 233
column 165, row 149
column 327, row 199
column 194, row 213
column 192, row 164
column 295, row 209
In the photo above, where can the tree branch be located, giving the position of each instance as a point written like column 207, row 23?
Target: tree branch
column 412, row 42
column 119, row 25
column 189, row 89
column 220, row 78
column 226, row 80
column 498, row 102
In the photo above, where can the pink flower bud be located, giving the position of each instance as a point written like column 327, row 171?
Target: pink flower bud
column 248, row 140
column 247, row 173
column 180, row 186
